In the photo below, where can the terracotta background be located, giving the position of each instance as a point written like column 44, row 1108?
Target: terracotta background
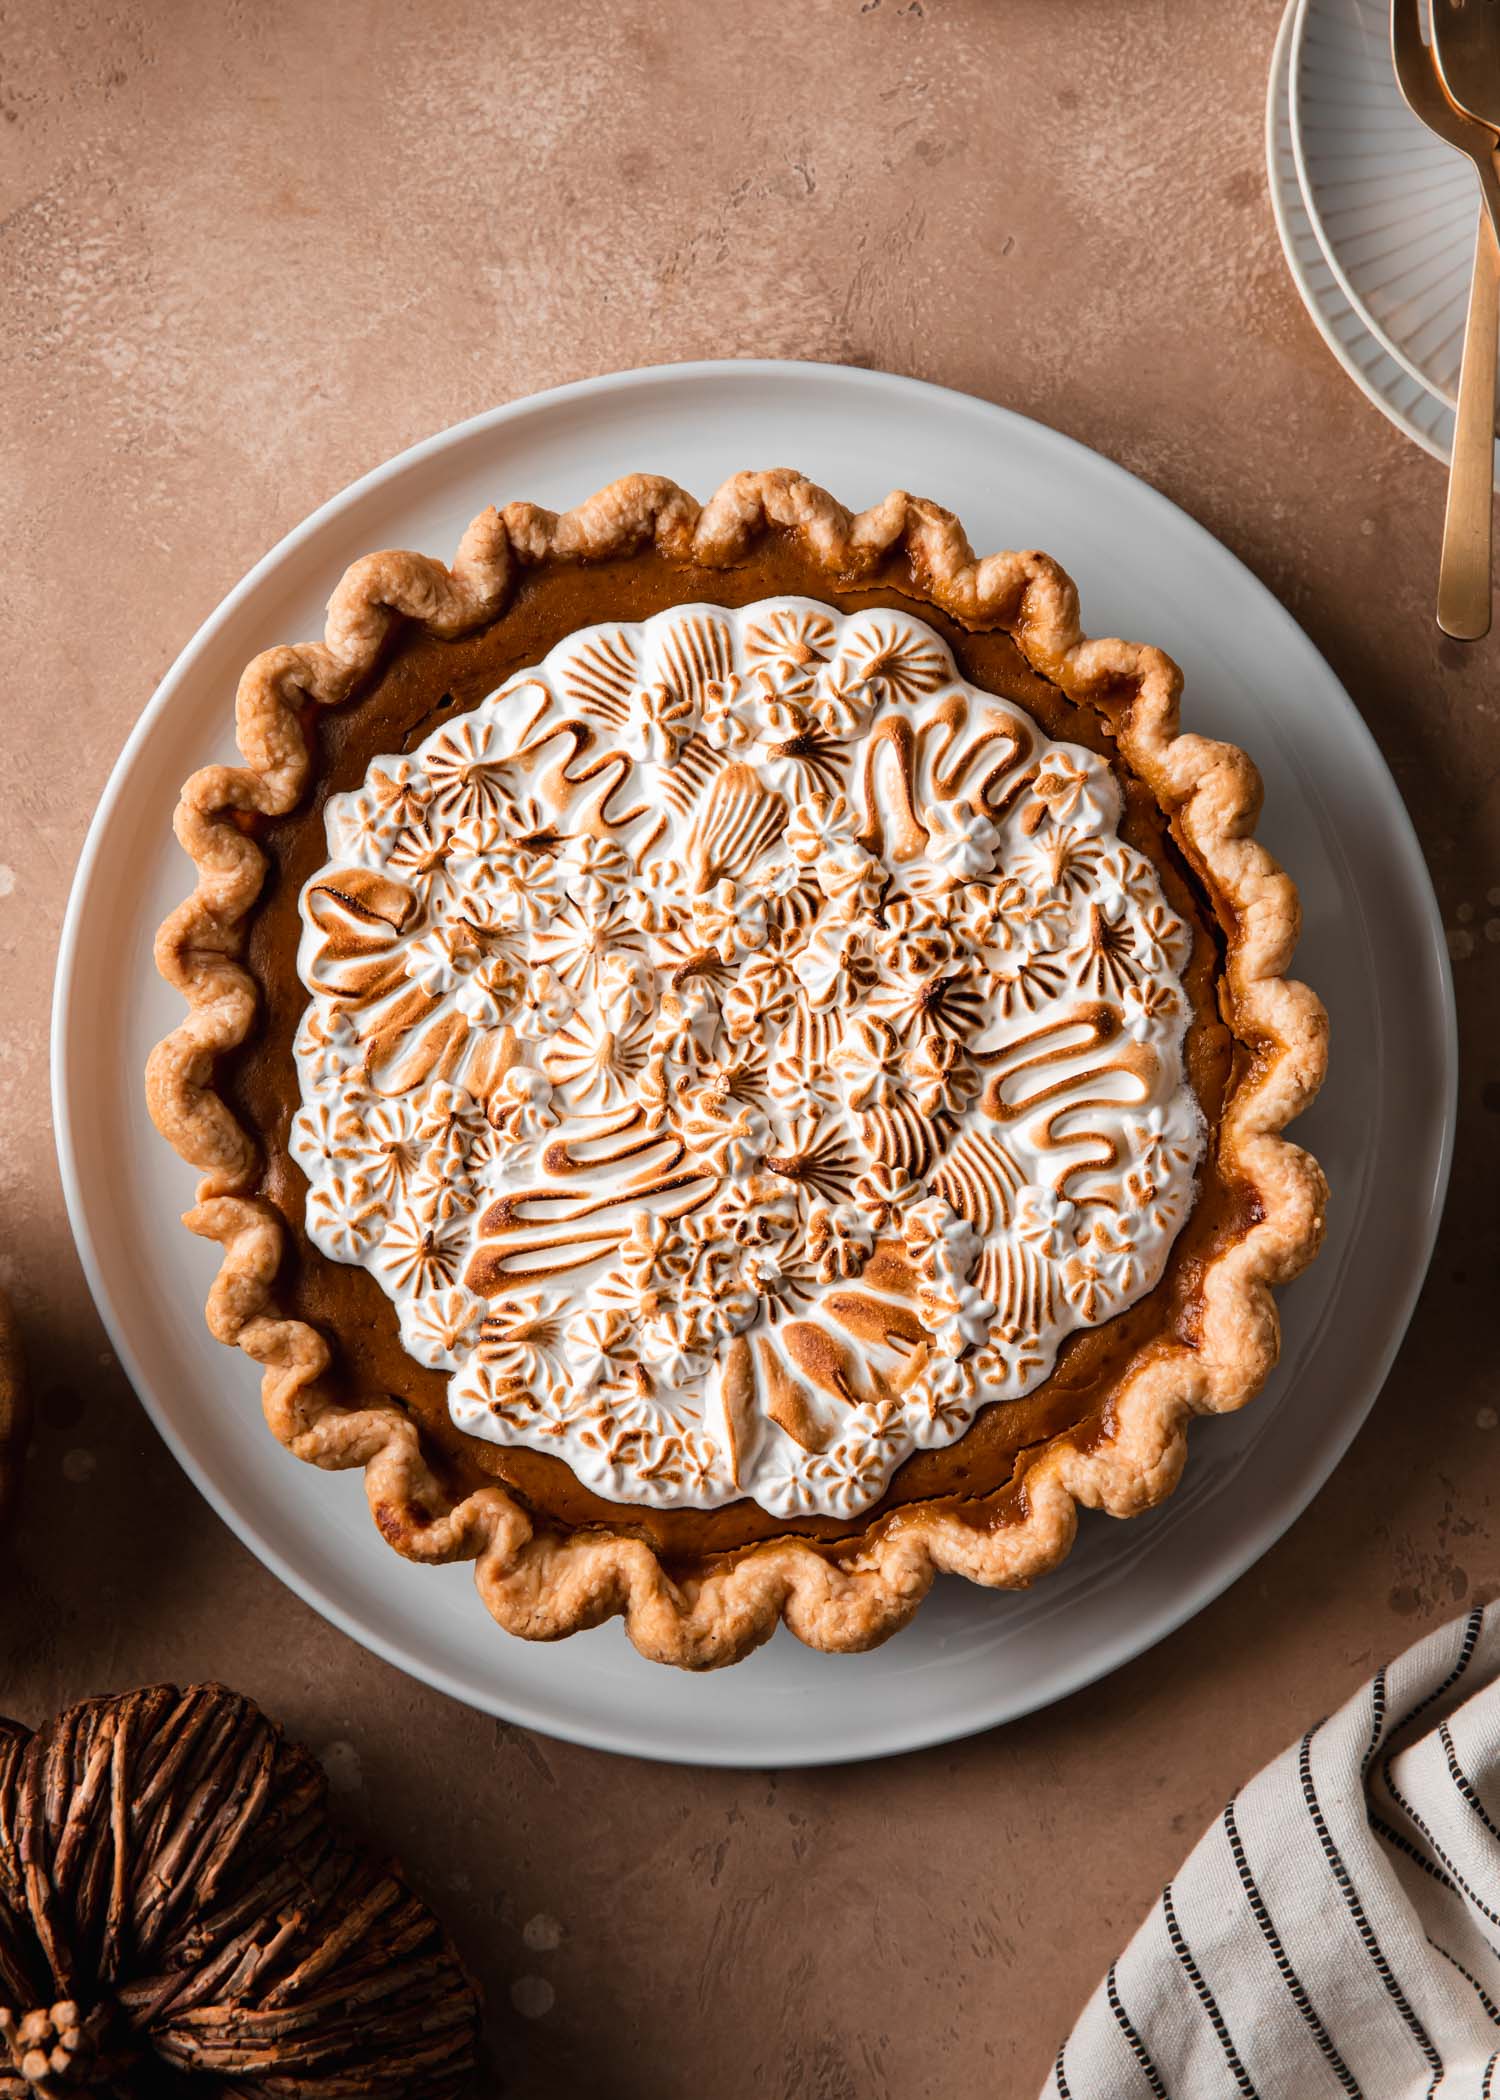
column 250, row 248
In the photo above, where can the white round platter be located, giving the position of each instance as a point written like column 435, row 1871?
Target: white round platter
column 1411, row 405
column 1373, row 946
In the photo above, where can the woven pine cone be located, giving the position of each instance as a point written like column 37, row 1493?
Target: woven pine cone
column 176, row 1917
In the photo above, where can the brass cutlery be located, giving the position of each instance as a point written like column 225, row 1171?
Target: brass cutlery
column 1446, row 87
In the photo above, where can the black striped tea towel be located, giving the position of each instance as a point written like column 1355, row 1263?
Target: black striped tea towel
column 1337, row 1930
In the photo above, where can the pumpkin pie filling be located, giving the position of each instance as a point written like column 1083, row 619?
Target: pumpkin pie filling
column 425, row 681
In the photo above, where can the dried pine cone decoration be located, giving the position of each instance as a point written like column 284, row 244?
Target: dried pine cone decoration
column 176, row 1917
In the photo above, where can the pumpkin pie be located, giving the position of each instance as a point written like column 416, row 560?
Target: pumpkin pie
column 737, row 1062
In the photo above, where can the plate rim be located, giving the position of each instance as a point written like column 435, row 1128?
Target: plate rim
column 1100, row 1660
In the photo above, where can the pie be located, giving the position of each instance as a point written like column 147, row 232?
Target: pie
column 737, row 1062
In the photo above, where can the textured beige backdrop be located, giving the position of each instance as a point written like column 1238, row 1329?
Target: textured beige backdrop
column 250, row 248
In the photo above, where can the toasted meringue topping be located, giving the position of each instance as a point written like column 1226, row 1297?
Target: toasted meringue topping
column 721, row 1130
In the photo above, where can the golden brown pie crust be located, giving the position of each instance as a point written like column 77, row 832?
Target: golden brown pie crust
column 411, row 642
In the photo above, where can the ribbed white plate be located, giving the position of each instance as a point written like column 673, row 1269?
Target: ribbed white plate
column 1373, row 946
column 1393, row 208
column 1411, row 405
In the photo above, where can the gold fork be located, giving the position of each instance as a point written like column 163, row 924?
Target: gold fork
column 1464, row 582
column 1466, row 42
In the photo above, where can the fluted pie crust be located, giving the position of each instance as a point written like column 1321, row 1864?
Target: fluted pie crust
column 702, row 1590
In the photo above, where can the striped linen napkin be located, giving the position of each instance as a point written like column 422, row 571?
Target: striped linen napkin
column 1337, row 1930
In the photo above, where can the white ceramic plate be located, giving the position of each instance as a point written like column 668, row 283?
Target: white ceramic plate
column 1411, row 405
column 1373, row 947
column 1393, row 207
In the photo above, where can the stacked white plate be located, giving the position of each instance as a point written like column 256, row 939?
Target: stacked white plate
column 1377, row 216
